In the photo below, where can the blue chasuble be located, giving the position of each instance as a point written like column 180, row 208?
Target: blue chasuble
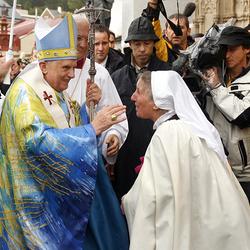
column 52, row 181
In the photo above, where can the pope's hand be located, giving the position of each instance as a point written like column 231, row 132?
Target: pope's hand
column 107, row 117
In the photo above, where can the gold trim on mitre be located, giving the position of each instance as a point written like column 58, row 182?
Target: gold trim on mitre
column 56, row 53
column 64, row 52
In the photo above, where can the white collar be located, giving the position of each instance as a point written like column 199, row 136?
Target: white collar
column 103, row 63
column 163, row 118
column 137, row 68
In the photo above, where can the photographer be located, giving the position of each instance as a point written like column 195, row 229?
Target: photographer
column 229, row 103
column 164, row 49
column 176, row 37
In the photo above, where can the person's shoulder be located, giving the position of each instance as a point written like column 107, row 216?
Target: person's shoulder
column 101, row 71
column 244, row 78
column 115, row 53
column 18, row 87
column 174, row 129
column 121, row 71
column 157, row 64
column 116, row 59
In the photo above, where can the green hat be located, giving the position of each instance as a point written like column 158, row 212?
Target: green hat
column 141, row 29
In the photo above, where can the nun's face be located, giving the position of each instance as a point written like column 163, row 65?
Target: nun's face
column 143, row 103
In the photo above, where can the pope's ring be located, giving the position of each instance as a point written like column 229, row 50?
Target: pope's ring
column 113, row 117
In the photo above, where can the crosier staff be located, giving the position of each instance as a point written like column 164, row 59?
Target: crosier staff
column 92, row 15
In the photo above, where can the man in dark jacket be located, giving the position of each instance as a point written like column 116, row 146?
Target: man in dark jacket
column 110, row 58
column 141, row 38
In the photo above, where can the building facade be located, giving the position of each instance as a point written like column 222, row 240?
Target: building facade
column 219, row 11
column 125, row 11
column 207, row 12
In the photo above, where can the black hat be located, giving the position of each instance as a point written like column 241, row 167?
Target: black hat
column 141, row 29
column 234, row 36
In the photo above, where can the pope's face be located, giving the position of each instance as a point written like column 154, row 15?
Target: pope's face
column 58, row 73
column 143, row 103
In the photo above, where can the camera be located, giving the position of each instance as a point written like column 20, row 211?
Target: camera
column 198, row 57
column 209, row 56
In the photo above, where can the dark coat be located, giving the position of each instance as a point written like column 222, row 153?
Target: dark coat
column 115, row 61
column 140, row 130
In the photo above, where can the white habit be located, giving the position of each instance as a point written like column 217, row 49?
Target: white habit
column 186, row 201
column 77, row 91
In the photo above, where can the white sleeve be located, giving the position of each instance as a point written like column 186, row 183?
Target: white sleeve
column 230, row 104
column 110, row 96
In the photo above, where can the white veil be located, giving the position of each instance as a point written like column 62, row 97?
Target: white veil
column 171, row 93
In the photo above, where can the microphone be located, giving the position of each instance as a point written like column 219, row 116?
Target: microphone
column 189, row 9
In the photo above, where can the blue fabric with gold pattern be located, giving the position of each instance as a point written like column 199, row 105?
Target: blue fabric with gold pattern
column 49, row 188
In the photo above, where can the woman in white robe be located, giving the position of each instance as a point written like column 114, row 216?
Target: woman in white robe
column 186, row 196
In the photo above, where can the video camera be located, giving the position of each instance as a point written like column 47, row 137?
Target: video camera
column 209, row 53
column 198, row 57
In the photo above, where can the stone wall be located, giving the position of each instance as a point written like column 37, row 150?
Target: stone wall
column 219, row 11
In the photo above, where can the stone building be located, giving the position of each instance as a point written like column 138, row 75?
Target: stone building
column 207, row 12
column 219, row 11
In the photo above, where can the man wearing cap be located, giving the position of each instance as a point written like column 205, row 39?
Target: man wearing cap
column 141, row 38
column 54, row 191
column 229, row 103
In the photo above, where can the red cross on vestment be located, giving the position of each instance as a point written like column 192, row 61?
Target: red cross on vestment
column 47, row 97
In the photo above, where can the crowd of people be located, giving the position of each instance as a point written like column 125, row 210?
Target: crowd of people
column 156, row 166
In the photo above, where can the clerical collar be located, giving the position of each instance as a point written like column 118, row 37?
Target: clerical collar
column 137, row 68
column 104, row 62
column 163, row 118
